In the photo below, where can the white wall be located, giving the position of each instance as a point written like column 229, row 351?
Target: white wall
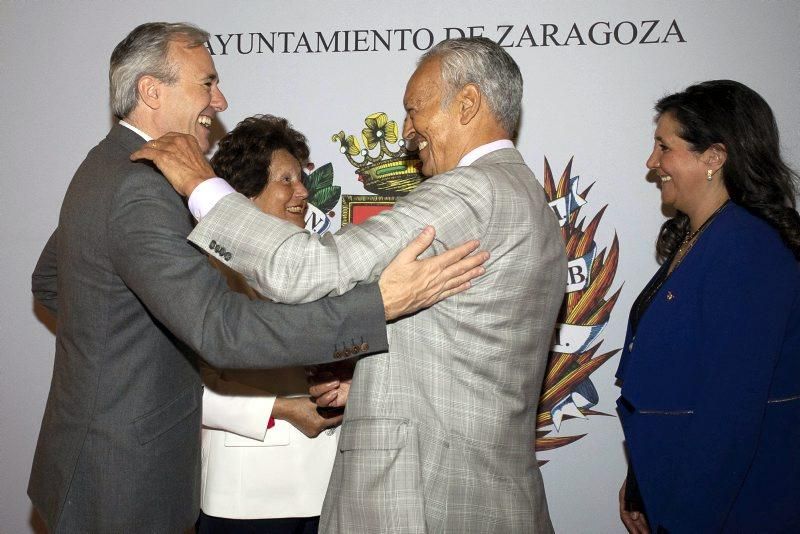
column 593, row 102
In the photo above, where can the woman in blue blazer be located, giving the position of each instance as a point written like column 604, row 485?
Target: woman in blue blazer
column 710, row 371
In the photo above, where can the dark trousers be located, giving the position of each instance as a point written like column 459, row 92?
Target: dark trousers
column 207, row 524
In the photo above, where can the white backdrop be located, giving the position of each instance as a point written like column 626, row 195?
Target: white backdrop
column 583, row 99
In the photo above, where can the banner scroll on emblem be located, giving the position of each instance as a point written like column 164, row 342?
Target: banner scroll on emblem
column 568, row 392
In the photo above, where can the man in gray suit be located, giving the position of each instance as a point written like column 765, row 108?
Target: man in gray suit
column 136, row 304
column 439, row 432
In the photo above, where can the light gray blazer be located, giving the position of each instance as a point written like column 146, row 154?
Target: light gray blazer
column 119, row 446
column 439, row 432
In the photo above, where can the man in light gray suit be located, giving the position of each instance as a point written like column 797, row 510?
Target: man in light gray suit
column 119, row 447
column 439, row 432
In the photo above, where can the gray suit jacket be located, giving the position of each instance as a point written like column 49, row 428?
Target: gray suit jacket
column 136, row 303
column 438, row 433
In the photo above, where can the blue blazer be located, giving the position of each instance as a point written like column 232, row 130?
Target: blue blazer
column 710, row 400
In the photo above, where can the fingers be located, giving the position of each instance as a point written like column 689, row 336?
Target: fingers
column 464, row 278
column 165, row 144
column 146, row 152
column 642, row 523
column 328, row 399
column 623, row 514
column 454, row 291
column 634, row 522
column 456, row 269
column 458, row 276
column 408, row 284
column 630, row 526
column 318, row 390
column 465, row 270
column 635, row 526
column 418, row 245
column 180, row 160
column 342, row 394
column 452, row 256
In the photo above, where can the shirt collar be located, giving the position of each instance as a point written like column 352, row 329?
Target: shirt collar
column 470, row 157
column 136, row 130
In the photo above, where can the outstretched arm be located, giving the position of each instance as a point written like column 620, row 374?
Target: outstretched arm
column 179, row 287
column 288, row 265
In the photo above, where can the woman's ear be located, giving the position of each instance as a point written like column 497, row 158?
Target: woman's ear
column 715, row 156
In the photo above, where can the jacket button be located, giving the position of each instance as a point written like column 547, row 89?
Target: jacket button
column 364, row 347
column 630, row 346
column 228, row 256
column 212, row 245
column 355, row 350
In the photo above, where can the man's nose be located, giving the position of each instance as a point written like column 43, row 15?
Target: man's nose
column 218, row 101
column 410, row 136
column 408, row 128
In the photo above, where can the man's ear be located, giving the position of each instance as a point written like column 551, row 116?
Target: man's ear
column 715, row 156
column 469, row 100
column 149, row 92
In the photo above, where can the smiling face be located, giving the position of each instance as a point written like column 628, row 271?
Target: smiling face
column 429, row 126
column 681, row 170
column 284, row 195
column 191, row 104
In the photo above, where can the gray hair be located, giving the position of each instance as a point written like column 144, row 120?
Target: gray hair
column 144, row 53
column 482, row 62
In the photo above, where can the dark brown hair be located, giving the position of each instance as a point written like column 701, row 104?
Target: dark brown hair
column 244, row 155
column 755, row 176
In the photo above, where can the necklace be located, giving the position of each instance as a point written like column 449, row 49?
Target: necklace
column 691, row 238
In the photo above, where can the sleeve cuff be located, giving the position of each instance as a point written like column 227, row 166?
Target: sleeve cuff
column 238, row 411
column 206, row 195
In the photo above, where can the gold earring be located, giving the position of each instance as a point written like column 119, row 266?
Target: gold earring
column 709, row 174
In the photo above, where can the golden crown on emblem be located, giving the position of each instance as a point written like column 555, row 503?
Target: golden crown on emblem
column 387, row 172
